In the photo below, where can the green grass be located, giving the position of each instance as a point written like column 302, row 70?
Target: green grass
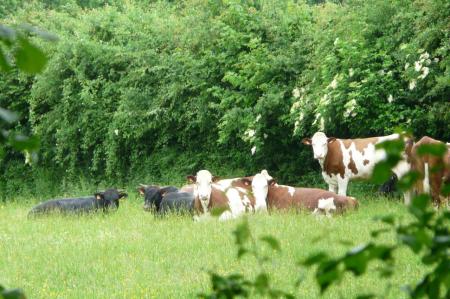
column 130, row 254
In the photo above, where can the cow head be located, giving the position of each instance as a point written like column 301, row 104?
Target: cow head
column 319, row 142
column 202, row 181
column 109, row 198
column 153, row 196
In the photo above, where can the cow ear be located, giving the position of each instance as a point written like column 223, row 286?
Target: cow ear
column 191, row 178
column 272, row 182
column 306, row 141
column 215, row 179
column 331, row 139
column 246, row 181
column 98, row 195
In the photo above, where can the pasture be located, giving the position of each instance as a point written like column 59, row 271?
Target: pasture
column 131, row 254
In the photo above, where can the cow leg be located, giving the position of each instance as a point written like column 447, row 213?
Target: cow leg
column 333, row 187
column 342, row 186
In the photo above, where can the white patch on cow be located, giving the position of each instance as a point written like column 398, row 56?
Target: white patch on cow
column 203, row 188
column 291, row 190
column 426, row 179
column 235, row 202
column 266, row 174
column 327, row 205
column 260, row 189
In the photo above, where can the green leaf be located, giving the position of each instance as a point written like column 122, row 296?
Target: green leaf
column 272, row 242
column 4, row 64
column 262, row 283
column 315, row 259
column 21, row 142
column 12, row 294
column 29, row 58
column 8, row 116
column 327, row 274
column 408, row 180
column 356, row 260
column 432, row 149
column 242, row 232
column 389, row 219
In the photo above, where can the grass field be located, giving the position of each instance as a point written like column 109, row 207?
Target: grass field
column 130, row 254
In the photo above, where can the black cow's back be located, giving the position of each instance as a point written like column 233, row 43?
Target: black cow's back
column 66, row 205
column 177, row 202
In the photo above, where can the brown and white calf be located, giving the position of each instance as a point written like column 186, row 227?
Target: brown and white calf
column 286, row 197
column 232, row 195
column 433, row 170
column 343, row 160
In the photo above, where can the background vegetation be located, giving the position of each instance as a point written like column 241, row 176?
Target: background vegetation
column 154, row 90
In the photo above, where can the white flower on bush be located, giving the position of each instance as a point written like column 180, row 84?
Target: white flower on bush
column 336, row 41
column 406, row 66
column 28, row 158
column 296, row 93
column 417, row 66
column 296, row 125
column 350, row 72
column 265, row 136
column 295, row 106
column 350, row 107
column 412, row 84
column 436, row 59
column 116, row 132
column 333, row 83
column 258, row 117
column 250, row 133
column 390, row 98
column 253, row 150
column 425, row 72
column 324, row 100
column 381, row 72
column 316, row 119
column 424, row 56
column 322, row 124
column 301, row 116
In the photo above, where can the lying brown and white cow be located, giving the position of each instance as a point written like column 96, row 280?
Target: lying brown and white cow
column 229, row 194
column 433, row 170
column 286, row 197
column 343, row 160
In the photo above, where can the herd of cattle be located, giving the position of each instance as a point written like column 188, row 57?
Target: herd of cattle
column 341, row 160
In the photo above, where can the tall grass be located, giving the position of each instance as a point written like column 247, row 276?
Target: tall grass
column 130, row 254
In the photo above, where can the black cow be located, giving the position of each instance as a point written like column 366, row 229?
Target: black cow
column 103, row 201
column 166, row 199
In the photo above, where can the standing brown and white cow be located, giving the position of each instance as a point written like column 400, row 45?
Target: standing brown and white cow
column 286, row 197
column 433, row 170
column 231, row 195
column 343, row 160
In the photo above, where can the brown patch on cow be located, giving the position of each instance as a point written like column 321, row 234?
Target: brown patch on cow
column 365, row 162
column 351, row 165
column 333, row 163
column 279, row 197
column 347, row 142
